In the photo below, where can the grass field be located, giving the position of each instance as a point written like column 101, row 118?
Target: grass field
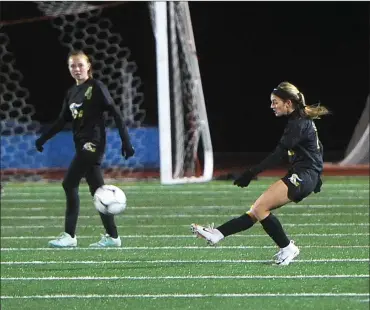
column 162, row 266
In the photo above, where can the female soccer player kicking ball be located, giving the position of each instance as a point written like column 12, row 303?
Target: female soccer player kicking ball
column 305, row 152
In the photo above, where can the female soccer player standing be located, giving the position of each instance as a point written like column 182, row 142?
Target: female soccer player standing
column 304, row 149
column 84, row 104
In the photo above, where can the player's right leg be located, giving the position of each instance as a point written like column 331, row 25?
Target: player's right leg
column 70, row 185
column 81, row 162
column 286, row 254
column 64, row 240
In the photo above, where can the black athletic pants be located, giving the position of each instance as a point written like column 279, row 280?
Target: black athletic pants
column 86, row 163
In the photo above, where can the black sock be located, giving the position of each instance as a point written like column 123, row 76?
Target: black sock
column 109, row 225
column 236, row 225
column 273, row 227
column 72, row 210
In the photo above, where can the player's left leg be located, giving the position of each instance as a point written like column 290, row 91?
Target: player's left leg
column 94, row 178
column 235, row 225
column 275, row 197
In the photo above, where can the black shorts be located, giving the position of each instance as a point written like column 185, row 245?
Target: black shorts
column 301, row 184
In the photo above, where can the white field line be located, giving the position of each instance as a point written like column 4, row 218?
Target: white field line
column 174, row 261
column 46, row 217
column 216, row 191
column 157, row 186
column 300, row 206
column 161, row 248
column 179, row 226
column 212, row 198
column 188, row 236
column 196, row 295
column 332, row 199
column 205, row 197
column 335, row 276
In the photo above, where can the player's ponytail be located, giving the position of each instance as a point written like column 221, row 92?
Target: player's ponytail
column 288, row 91
column 316, row 111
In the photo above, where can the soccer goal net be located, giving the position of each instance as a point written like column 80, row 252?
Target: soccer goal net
column 174, row 144
column 357, row 152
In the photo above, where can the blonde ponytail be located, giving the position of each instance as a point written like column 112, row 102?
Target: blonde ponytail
column 288, row 91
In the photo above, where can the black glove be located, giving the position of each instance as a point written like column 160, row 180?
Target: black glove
column 128, row 152
column 244, row 179
column 39, row 145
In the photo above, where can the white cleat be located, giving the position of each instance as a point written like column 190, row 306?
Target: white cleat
column 107, row 241
column 63, row 241
column 209, row 233
column 287, row 254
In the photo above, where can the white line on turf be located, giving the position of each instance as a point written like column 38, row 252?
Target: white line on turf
column 314, row 214
column 46, row 192
column 321, row 198
column 196, row 295
column 168, row 261
column 178, row 226
column 334, row 276
column 300, row 206
column 161, row 248
column 198, row 186
column 188, row 236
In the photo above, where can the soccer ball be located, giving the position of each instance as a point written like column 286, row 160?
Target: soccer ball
column 110, row 199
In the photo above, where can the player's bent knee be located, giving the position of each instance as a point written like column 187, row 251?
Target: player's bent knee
column 260, row 211
column 250, row 213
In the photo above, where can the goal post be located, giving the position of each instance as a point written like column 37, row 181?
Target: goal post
column 179, row 26
column 177, row 148
column 163, row 90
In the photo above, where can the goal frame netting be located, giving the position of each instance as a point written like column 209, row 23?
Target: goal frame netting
column 358, row 149
column 185, row 148
column 179, row 13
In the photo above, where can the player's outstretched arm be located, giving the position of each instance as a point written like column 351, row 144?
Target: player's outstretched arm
column 270, row 161
column 273, row 159
column 57, row 126
column 127, row 148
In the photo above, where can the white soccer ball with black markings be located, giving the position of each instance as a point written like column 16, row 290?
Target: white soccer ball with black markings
column 110, row 199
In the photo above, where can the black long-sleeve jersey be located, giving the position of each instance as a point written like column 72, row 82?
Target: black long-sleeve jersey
column 85, row 105
column 300, row 142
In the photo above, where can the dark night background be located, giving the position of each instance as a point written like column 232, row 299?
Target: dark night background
column 244, row 48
